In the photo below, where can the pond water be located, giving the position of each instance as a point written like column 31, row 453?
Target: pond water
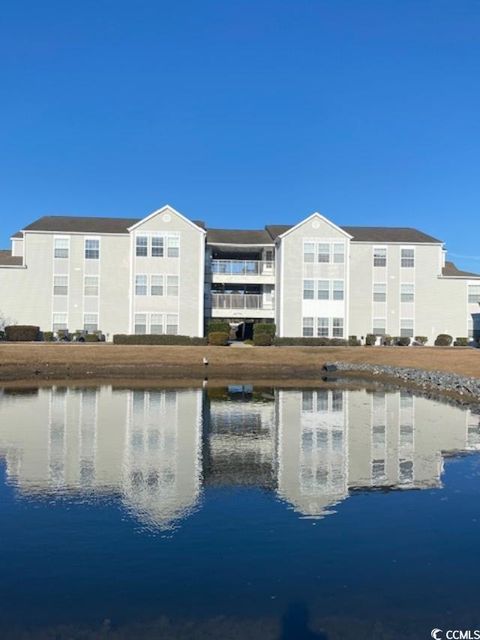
column 237, row 513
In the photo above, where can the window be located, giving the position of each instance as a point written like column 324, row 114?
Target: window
column 90, row 321
column 407, row 293
column 323, row 252
column 473, row 293
column 92, row 248
column 173, row 246
column 322, row 327
column 156, row 285
column 172, row 285
column 322, row 400
column 140, row 323
column 339, row 253
column 308, row 327
column 338, row 292
column 337, row 331
column 379, row 326
column 405, row 471
column 309, row 252
column 158, row 246
column 141, row 246
column 337, row 400
column 470, row 328
column 307, row 400
column 408, row 258
column 379, row 256
column 378, row 470
column 141, row 285
column 61, row 247
column 172, row 324
column 90, row 286
column 380, row 292
column 60, row 285
column 156, row 323
column 308, row 289
column 378, row 435
column 59, row 321
column 406, row 328
column 323, row 291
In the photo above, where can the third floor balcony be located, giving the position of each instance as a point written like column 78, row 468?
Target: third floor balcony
column 262, row 271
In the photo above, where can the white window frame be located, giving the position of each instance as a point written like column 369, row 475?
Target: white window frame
column 160, row 284
column 141, row 236
column 173, row 244
column 404, row 294
column 144, row 276
column 377, row 329
column 473, row 298
column 65, row 239
column 85, row 286
column 382, row 294
column 307, row 326
column 92, row 314
column 175, row 286
column 312, row 252
column 62, row 286
column 323, row 253
column 136, row 323
column 309, row 289
column 336, row 291
column 338, row 254
column 64, row 314
column 323, row 327
column 85, row 249
column 375, row 258
column 403, row 329
column 338, row 331
column 404, row 259
column 324, row 289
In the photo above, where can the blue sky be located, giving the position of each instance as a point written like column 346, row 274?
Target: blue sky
column 244, row 112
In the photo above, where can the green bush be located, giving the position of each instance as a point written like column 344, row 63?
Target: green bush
column 262, row 340
column 443, row 340
column 91, row 337
column 2, row 335
column 157, row 339
column 403, row 341
column 309, row 342
column 22, row 333
column 217, row 326
column 370, row 339
column 461, row 342
column 218, row 338
column 387, row 341
column 353, row 341
column 264, row 327
column 63, row 334
column 48, row 336
column 421, row 340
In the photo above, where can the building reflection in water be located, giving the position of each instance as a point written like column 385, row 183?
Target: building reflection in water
column 157, row 449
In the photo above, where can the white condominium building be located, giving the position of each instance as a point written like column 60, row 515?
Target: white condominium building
column 167, row 274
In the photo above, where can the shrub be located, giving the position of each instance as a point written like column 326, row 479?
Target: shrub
column 2, row 335
column 403, row 341
column 338, row 342
column 268, row 328
column 64, row 335
column 421, row 340
column 443, row 340
column 157, row 339
column 22, row 333
column 217, row 326
column 387, row 341
column 249, row 342
column 309, row 342
column 262, row 340
column 370, row 339
column 92, row 337
column 218, row 338
column 48, row 336
column 461, row 342
column 353, row 341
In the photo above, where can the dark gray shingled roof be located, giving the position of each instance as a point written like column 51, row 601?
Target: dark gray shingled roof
column 238, row 236
column 19, row 234
column 6, row 258
column 72, row 224
column 450, row 270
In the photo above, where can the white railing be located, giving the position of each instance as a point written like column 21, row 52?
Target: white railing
column 242, row 267
column 240, row 301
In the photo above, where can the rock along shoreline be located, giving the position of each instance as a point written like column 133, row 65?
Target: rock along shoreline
column 464, row 387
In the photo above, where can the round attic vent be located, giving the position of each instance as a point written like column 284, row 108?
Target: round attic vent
column 316, row 224
column 166, row 217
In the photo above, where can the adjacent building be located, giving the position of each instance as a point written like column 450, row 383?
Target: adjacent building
column 167, row 274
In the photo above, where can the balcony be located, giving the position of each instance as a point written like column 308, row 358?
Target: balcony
column 244, row 305
column 261, row 271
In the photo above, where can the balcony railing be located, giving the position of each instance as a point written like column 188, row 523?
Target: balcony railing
column 243, row 267
column 240, row 301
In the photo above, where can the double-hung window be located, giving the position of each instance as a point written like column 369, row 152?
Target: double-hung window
column 379, row 326
column 407, row 293
column 173, row 246
column 337, row 328
column 309, row 252
column 140, row 327
column 60, row 285
column 156, row 323
column 90, row 322
column 323, row 290
column 156, row 285
column 61, row 247
column 406, row 328
column 308, row 289
column 323, row 252
column 473, row 293
column 59, row 321
column 407, row 258
column 379, row 256
column 322, row 327
column 90, row 286
column 172, row 285
column 141, row 250
column 92, row 248
column 339, row 253
column 141, row 285
column 172, row 324
column 338, row 290
column 308, row 327
column 158, row 246
column 379, row 292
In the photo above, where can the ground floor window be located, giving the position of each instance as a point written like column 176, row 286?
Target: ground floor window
column 156, row 323
column 406, row 328
column 308, row 328
column 379, row 326
column 90, row 322
column 325, row 327
column 337, row 328
column 140, row 327
column 59, row 321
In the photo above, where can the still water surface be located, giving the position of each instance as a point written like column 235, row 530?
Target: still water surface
column 236, row 513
